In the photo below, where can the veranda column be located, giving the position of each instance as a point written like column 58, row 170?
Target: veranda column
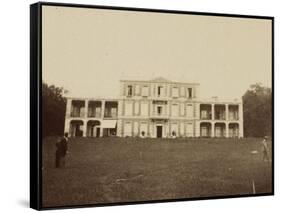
column 102, row 116
column 213, row 111
column 84, row 128
column 86, row 108
column 68, row 108
column 212, row 129
column 226, row 124
column 226, row 112
column 67, row 126
column 67, row 116
column 241, row 121
column 102, row 108
column 226, row 130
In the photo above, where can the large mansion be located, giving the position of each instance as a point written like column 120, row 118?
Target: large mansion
column 157, row 108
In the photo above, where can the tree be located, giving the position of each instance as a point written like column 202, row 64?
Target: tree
column 53, row 110
column 257, row 105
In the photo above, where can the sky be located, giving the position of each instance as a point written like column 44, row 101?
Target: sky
column 87, row 51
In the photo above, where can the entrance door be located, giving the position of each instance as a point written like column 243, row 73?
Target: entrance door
column 159, row 131
column 98, row 132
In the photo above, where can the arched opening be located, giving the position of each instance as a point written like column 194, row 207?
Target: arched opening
column 93, row 128
column 205, row 129
column 76, row 128
column 220, row 129
column 233, row 130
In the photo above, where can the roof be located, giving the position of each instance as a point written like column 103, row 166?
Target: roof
column 160, row 80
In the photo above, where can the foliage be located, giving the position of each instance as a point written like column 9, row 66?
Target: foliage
column 257, row 105
column 53, row 110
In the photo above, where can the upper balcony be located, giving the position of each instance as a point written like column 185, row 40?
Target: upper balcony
column 110, row 110
column 77, row 108
column 233, row 112
column 93, row 108
column 205, row 111
column 219, row 111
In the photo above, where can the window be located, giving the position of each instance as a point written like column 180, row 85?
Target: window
column 159, row 110
column 182, row 91
column 130, row 90
column 175, row 110
column 160, row 91
column 189, row 130
column 189, row 111
column 144, row 108
column 189, row 92
column 129, row 108
column 137, row 90
column 175, row 92
column 182, row 109
column 137, row 108
column 144, row 91
column 128, row 129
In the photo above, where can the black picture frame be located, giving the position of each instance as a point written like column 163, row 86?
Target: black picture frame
column 36, row 100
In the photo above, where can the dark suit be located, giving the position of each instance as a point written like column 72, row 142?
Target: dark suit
column 61, row 152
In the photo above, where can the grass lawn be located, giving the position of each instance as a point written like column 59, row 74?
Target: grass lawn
column 105, row 170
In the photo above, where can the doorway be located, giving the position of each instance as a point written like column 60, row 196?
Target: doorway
column 98, row 132
column 159, row 130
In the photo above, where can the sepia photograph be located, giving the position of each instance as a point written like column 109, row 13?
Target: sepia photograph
column 143, row 105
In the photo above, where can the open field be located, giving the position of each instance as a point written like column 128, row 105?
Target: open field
column 105, row 170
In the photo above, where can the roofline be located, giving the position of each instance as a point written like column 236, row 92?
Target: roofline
column 93, row 98
column 166, row 82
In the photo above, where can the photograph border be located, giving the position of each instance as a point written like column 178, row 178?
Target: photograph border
column 36, row 100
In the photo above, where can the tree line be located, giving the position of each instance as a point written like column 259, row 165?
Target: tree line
column 53, row 110
column 257, row 110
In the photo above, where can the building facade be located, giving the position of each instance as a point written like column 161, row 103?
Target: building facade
column 159, row 109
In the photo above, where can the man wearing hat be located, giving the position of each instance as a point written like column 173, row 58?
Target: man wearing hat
column 265, row 149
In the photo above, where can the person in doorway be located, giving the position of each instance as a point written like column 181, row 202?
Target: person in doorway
column 174, row 135
column 61, row 151
column 265, row 149
column 142, row 135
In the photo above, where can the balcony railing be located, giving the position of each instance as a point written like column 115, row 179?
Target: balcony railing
column 94, row 115
column 110, row 116
column 159, row 116
column 206, row 117
column 77, row 114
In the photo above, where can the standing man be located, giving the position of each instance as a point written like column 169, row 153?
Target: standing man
column 62, row 147
column 265, row 149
